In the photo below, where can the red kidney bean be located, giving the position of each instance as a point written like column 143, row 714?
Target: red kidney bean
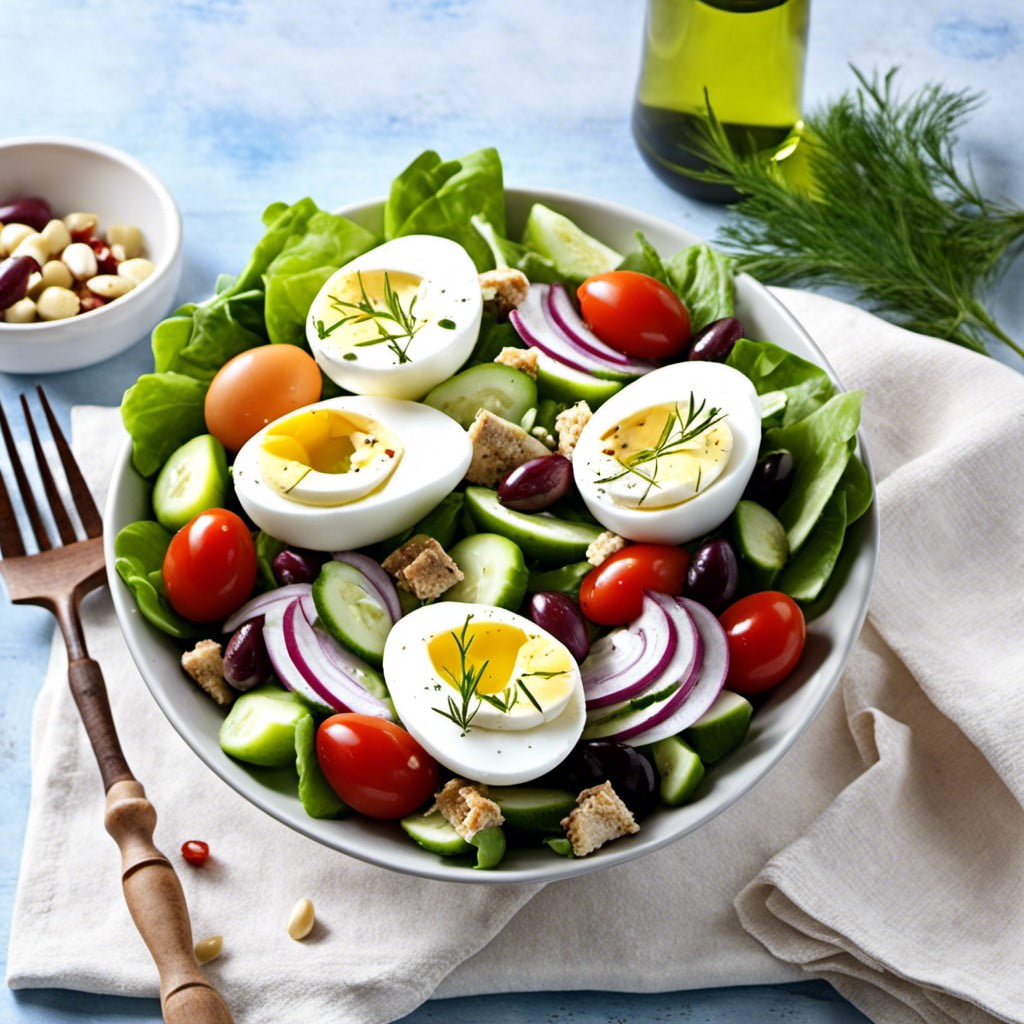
column 14, row 275
column 30, row 210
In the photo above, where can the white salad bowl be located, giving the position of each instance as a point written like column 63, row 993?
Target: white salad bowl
column 74, row 175
column 778, row 721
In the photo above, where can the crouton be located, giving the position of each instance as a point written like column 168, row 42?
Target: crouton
column 598, row 817
column 205, row 664
column 524, row 359
column 604, row 546
column 503, row 290
column 467, row 807
column 569, row 425
column 498, row 447
column 422, row 567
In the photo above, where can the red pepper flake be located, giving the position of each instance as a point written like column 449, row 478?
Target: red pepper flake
column 389, row 452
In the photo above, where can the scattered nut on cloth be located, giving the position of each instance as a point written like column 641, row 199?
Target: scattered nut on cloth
column 884, row 853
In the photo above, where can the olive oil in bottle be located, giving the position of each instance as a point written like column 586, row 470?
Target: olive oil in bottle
column 748, row 54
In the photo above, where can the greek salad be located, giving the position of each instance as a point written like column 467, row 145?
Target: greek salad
column 502, row 539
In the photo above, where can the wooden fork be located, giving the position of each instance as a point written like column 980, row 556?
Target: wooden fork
column 57, row 578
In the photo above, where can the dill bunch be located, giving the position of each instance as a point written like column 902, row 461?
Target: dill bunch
column 886, row 213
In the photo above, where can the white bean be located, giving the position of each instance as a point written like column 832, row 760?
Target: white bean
column 56, row 272
column 21, row 312
column 56, row 236
column 80, row 260
column 128, row 237
column 209, row 948
column 57, row 304
column 109, row 286
column 12, row 235
column 33, row 245
column 136, row 269
column 81, row 223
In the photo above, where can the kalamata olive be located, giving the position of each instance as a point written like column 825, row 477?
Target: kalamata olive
column 30, row 210
column 291, row 566
column 14, row 275
column 714, row 341
column 562, row 618
column 537, row 484
column 594, row 761
column 772, row 477
column 713, row 574
column 246, row 662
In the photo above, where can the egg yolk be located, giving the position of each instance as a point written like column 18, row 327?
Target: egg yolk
column 502, row 657
column 328, row 457
column 373, row 307
column 665, row 454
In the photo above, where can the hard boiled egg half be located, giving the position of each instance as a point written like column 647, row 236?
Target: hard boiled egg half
column 398, row 319
column 487, row 692
column 349, row 471
column 666, row 459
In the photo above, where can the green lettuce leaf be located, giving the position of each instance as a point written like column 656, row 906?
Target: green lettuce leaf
column 161, row 411
column 771, row 368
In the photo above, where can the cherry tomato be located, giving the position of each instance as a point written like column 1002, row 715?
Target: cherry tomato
column 257, row 386
column 210, row 566
column 195, row 851
column 766, row 633
column 635, row 313
column 612, row 593
column 375, row 766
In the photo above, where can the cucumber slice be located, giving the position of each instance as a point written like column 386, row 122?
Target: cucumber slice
column 490, row 847
column 574, row 253
column 722, row 728
column 350, row 611
column 535, row 808
column 503, row 390
column 760, row 536
column 566, row 579
column 562, row 383
column 193, row 479
column 679, row 768
column 434, row 833
column 540, row 536
column 260, row 727
column 494, row 570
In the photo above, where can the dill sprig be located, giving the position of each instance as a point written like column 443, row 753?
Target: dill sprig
column 463, row 710
column 675, row 435
column 887, row 212
column 394, row 322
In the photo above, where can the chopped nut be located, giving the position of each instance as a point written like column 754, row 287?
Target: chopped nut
column 467, row 807
column 598, row 817
column 569, row 425
column 205, row 664
column 524, row 359
column 503, row 290
column 604, row 546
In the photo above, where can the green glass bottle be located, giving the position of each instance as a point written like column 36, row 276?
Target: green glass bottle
column 748, row 54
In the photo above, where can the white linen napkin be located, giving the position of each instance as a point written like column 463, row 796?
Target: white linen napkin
column 883, row 853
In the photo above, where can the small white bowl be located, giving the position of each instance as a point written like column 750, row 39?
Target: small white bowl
column 75, row 175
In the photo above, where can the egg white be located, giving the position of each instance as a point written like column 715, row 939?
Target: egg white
column 450, row 292
column 719, row 386
column 493, row 757
column 437, row 453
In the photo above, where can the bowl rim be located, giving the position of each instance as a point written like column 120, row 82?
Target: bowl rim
column 423, row 864
column 50, row 329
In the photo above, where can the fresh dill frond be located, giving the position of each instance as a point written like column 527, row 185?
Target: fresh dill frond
column 394, row 322
column 887, row 211
column 675, row 435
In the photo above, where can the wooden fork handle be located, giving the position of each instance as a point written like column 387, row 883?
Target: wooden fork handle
column 156, row 901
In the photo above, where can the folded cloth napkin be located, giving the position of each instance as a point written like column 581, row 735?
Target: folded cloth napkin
column 883, row 853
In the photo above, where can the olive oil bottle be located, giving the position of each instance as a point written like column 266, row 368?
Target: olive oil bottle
column 748, row 54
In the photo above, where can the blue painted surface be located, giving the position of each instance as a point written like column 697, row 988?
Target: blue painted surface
column 237, row 103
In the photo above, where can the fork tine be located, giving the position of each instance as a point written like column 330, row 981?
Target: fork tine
column 59, row 512
column 29, row 501
column 10, row 533
column 80, row 492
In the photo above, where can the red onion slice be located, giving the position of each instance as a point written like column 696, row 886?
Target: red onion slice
column 259, row 604
column 535, row 326
column 562, row 313
column 381, row 583
column 628, row 722
column 624, row 662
